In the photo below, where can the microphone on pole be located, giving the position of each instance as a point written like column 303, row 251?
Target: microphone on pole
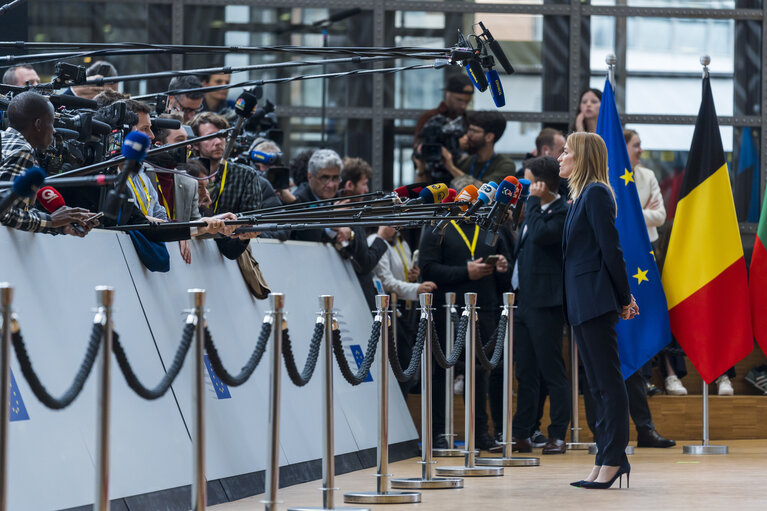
column 495, row 47
column 485, row 195
column 496, row 88
column 434, row 194
column 506, row 196
column 522, row 200
column 468, row 194
column 25, row 185
column 134, row 150
column 451, row 196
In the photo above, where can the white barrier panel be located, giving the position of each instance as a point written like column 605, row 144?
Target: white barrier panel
column 55, row 278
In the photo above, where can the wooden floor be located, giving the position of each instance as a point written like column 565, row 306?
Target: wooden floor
column 662, row 479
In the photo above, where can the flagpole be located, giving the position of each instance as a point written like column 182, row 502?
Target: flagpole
column 611, row 60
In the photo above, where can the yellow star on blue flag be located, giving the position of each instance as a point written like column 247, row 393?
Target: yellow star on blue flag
column 641, row 276
column 628, row 176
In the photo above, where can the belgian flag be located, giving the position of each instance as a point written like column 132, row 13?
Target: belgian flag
column 704, row 275
column 757, row 280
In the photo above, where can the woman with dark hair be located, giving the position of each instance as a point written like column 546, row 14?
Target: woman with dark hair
column 588, row 111
column 596, row 295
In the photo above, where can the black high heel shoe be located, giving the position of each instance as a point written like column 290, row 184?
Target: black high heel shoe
column 578, row 484
column 624, row 469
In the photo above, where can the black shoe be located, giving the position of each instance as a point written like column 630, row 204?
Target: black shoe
column 439, row 442
column 538, row 439
column 624, row 469
column 651, row 389
column 651, row 438
column 485, row 442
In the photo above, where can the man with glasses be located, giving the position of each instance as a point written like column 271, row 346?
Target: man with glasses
column 188, row 104
column 482, row 164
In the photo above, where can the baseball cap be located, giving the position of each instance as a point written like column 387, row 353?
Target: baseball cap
column 459, row 83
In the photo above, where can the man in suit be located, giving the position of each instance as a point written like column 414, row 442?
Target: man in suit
column 538, row 322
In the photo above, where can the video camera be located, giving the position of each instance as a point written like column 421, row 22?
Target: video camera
column 439, row 132
column 262, row 124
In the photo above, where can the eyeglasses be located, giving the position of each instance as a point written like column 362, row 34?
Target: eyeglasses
column 324, row 178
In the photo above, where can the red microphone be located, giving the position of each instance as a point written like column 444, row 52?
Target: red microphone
column 451, row 195
column 50, row 199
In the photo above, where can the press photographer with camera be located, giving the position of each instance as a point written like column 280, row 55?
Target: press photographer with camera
column 482, row 164
column 31, row 118
column 458, row 94
column 189, row 104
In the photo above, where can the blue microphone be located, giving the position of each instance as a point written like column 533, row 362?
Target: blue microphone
column 523, row 198
column 477, row 77
column 134, row 149
column 25, row 185
column 496, row 88
column 525, row 187
column 484, row 197
column 506, row 196
column 265, row 158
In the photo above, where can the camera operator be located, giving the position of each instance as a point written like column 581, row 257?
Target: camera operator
column 21, row 75
column 458, row 94
column 31, row 128
column 482, row 164
column 186, row 104
column 99, row 69
column 217, row 101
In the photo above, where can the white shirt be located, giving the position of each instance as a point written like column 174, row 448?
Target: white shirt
column 649, row 191
column 392, row 273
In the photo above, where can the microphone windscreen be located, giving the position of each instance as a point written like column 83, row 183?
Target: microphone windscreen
column 73, row 102
column 506, row 191
column 100, row 128
column 477, row 77
column 245, row 106
column 265, row 158
column 50, row 198
column 135, row 146
column 468, row 194
column 66, row 134
column 451, row 195
column 486, row 192
column 434, row 194
column 512, row 179
column 496, row 88
column 26, row 183
column 495, row 47
column 160, row 123
column 525, row 186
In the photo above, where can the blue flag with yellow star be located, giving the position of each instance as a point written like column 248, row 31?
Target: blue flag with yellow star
column 641, row 338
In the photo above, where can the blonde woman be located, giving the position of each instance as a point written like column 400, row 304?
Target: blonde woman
column 596, row 295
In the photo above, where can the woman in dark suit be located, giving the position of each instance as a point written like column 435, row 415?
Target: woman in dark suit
column 596, row 295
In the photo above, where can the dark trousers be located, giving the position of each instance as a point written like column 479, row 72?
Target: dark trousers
column 485, row 328
column 598, row 347
column 538, row 354
column 639, row 409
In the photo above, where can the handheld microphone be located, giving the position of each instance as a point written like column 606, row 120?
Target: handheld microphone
column 134, row 149
column 25, row 185
column 495, row 47
column 496, row 88
column 484, row 197
column 506, row 196
column 434, row 194
column 468, row 194
column 451, row 196
column 477, row 77
column 50, row 199
column 525, row 183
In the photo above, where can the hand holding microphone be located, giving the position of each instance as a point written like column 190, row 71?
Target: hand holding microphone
column 76, row 221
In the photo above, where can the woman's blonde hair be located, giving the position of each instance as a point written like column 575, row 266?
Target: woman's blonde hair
column 590, row 162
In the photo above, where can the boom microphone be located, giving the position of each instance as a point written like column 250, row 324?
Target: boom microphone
column 265, row 158
column 25, row 185
column 496, row 88
column 477, row 77
column 495, row 47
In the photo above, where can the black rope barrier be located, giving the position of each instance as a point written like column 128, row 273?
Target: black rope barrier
column 338, row 349
column 446, row 362
column 405, row 375
column 248, row 368
column 162, row 387
column 76, row 387
column 302, row 378
column 495, row 343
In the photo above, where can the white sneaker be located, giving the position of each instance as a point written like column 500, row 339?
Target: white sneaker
column 674, row 386
column 458, row 385
column 725, row 387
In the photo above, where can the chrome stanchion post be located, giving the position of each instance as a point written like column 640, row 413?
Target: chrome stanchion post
column 328, row 461
column 199, row 484
column 450, row 451
column 6, row 302
column 427, row 479
column 575, row 431
column 470, row 468
column 508, row 459
column 105, row 296
column 277, row 302
column 382, row 495
column 705, row 447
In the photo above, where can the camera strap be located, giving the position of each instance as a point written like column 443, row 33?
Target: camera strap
column 164, row 200
column 473, row 245
column 144, row 208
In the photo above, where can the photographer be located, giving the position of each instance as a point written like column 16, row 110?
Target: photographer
column 458, row 94
column 99, row 69
column 482, row 164
column 21, row 75
column 31, row 128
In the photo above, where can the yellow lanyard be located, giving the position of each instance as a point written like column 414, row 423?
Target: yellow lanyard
column 164, row 201
column 473, row 245
column 221, row 189
column 403, row 258
column 144, row 209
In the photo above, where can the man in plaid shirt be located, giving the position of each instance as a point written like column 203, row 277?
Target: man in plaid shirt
column 31, row 127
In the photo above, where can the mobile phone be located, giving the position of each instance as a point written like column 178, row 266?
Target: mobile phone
column 492, row 260
column 279, row 177
column 95, row 217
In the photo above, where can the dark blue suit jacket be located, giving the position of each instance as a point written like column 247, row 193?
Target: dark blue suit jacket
column 595, row 277
column 539, row 254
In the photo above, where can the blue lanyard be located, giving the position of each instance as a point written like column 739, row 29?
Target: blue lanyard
column 484, row 168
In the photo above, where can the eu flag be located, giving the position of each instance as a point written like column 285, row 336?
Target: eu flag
column 219, row 387
column 17, row 409
column 641, row 338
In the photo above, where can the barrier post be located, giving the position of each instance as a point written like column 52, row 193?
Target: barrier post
column 6, row 302
column 277, row 301
column 199, row 484
column 427, row 481
column 449, row 434
column 105, row 296
column 382, row 495
column 508, row 459
column 469, row 468
column 705, row 447
column 575, row 431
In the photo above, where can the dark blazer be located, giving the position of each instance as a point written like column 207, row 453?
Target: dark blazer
column 304, row 194
column 539, row 253
column 595, row 280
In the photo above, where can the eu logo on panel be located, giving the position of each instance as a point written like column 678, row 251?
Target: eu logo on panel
column 222, row 391
column 17, row 409
column 359, row 357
